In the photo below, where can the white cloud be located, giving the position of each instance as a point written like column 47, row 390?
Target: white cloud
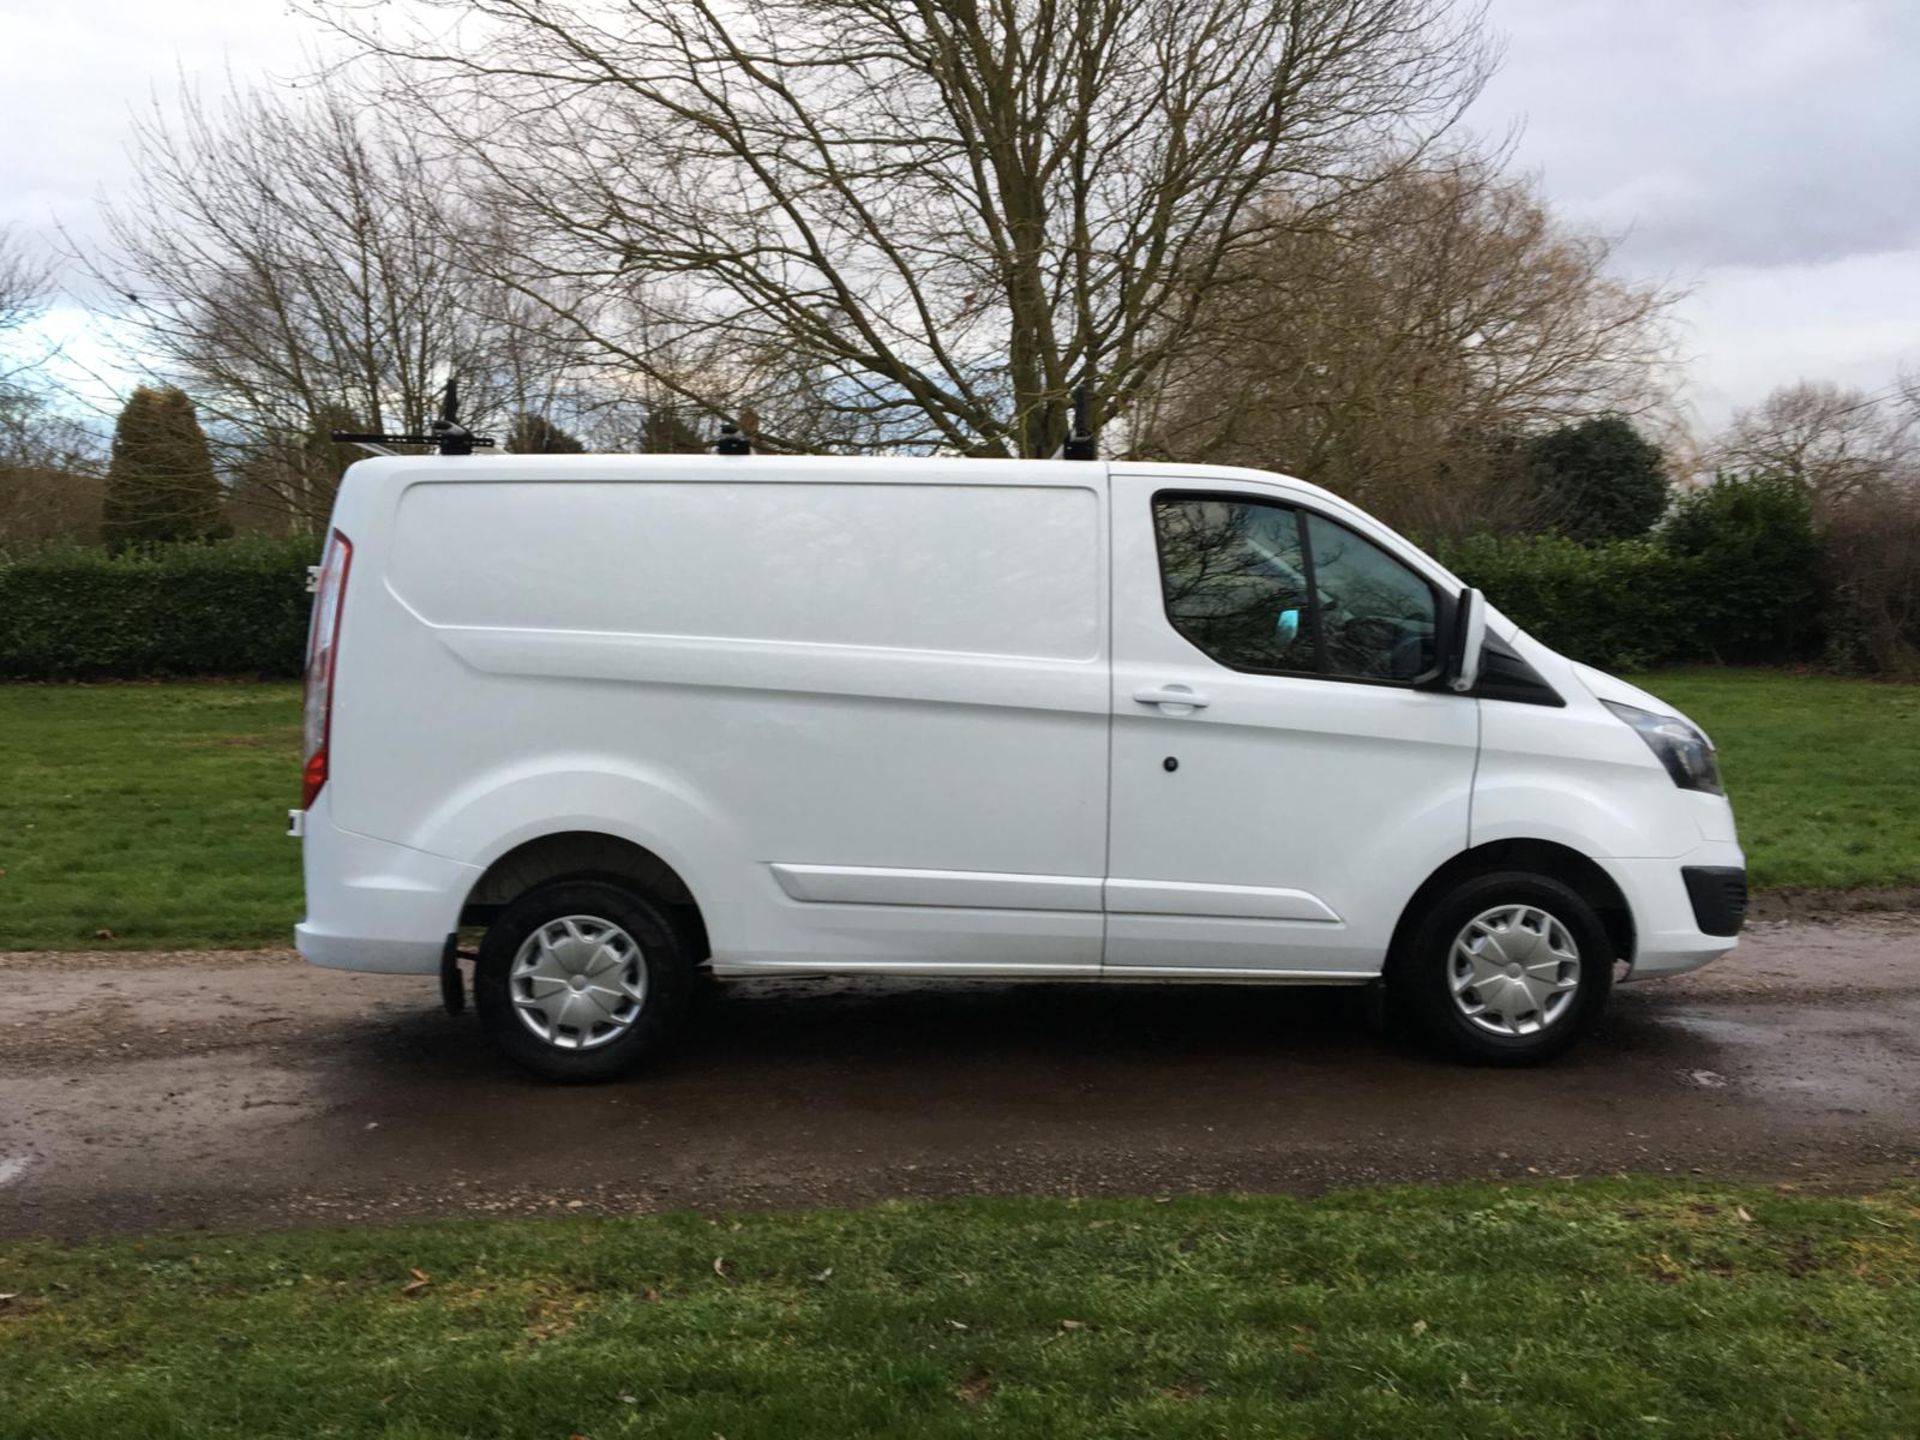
column 1855, row 321
column 1756, row 151
column 73, row 74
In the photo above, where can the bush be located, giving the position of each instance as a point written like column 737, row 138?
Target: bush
column 234, row 608
column 1751, row 572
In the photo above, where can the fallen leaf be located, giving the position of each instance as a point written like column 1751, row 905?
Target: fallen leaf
column 720, row 1266
column 104, row 934
column 418, row 1274
column 414, row 1287
column 824, row 1276
column 1419, row 1327
column 1741, row 1211
column 958, row 1324
column 1073, row 1324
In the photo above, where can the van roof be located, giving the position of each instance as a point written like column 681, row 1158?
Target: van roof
column 915, row 470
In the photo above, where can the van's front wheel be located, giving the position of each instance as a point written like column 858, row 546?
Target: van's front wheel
column 1505, row 969
column 581, row 980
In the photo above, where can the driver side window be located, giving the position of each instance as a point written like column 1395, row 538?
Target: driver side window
column 1265, row 587
column 1377, row 617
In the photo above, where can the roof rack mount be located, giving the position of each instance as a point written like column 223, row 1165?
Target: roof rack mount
column 1080, row 443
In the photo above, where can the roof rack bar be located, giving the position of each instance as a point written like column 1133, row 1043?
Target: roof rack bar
column 447, row 434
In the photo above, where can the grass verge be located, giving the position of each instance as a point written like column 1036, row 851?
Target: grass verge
column 149, row 816
column 1593, row 1308
column 1824, row 773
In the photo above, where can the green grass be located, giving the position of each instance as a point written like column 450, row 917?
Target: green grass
column 154, row 812
column 1603, row 1308
column 1824, row 774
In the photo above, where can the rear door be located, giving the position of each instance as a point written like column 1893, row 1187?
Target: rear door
column 1285, row 770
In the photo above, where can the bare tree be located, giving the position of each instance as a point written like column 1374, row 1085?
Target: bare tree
column 297, row 266
column 1857, row 457
column 50, row 477
column 26, row 282
column 1837, row 444
column 1401, row 357
column 49, row 464
column 916, row 222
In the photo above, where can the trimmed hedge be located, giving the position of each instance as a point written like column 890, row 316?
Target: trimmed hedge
column 1615, row 605
column 235, row 608
column 1732, row 574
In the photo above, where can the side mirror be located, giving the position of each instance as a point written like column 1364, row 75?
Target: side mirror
column 1469, row 634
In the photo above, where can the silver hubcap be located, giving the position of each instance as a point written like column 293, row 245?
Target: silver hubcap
column 1514, row 970
column 578, row 982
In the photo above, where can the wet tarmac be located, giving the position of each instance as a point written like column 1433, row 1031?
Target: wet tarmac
column 169, row 1092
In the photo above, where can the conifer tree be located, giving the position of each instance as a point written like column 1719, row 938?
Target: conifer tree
column 160, row 481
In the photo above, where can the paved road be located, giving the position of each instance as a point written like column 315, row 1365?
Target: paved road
column 150, row 1092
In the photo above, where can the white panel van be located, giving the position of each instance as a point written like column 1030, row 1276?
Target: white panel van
column 636, row 717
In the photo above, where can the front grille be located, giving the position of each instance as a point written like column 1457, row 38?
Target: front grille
column 1719, row 896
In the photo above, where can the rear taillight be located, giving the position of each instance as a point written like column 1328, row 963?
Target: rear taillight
column 323, row 651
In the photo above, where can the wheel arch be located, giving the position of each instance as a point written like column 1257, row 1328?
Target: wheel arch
column 585, row 855
column 1541, row 857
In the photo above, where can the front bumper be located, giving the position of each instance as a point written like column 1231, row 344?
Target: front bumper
column 1669, row 938
column 372, row 905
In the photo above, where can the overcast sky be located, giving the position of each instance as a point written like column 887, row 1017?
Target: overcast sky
column 1759, row 152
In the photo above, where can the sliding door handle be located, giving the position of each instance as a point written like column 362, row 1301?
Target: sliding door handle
column 1172, row 697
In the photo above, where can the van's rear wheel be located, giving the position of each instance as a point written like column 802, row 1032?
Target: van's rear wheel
column 581, row 980
column 1505, row 969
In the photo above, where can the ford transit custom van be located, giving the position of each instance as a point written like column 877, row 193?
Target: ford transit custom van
column 633, row 718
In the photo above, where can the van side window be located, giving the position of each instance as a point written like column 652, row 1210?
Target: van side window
column 1236, row 579
column 1376, row 615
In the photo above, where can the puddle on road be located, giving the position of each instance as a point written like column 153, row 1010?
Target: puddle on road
column 1738, row 1034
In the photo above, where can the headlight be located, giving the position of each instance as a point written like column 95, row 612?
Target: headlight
column 1687, row 754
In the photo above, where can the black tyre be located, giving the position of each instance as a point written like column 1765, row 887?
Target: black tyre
column 1503, row 969
column 581, row 980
